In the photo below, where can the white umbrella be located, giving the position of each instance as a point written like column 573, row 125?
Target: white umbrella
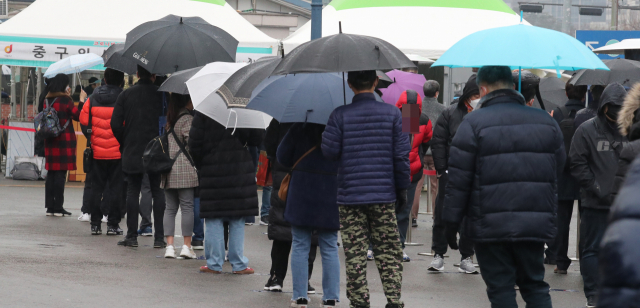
column 202, row 88
column 74, row 64
column 619, row 48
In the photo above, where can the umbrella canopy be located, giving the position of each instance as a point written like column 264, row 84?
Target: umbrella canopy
column 619, row 48
column 113, row 58
column 300, row 97
column 402, row 81
column 236, row 91
column 384, row 81
column 202, row 88
column 177, row 83
column 622, row 71
column 552, row 92
column 521, row 46
column 175, row 43
column 73, row 64
column 343, row 53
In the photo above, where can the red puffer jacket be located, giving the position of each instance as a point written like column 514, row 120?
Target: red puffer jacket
column 420, row 138
column 101, row 103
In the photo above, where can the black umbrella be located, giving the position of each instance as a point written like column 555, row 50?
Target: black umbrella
column 176, row 43
column 236, row 91
column 623, row 71
column 384, row 81
column 177, row 82
column 114, row 59
column 552, row 92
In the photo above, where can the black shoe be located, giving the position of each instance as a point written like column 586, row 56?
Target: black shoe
column 414, row 223
column 96, row 230
column 591, row 301
column 129, row 242
column 273, row 284
column 114, row 230
column 159, row 244
column 310, row 289
column 393, row 306
column 264, row 220
column 551, row 262
column 197, row 245
column 61, row 213
column 329, row 304
column 301, row 302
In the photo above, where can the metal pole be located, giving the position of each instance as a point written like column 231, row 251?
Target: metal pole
column 38, row 90
column 13, row 92
column 614, row 15
column 316, row 19
column 566, row 20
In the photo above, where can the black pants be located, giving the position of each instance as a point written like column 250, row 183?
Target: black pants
column 87, row 195
column 280, row 258
column 106, row 187
column 134, row 185
column 146, row 203
column 503, row 265
column 559, row 249
column 54, row 191
column 439, row 243
column 593, row 224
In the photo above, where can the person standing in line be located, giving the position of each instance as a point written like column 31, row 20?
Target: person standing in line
column 595, row 151
column 629, row 126
column 357, row 135
column 568, row 187
column 93, row 84
column 146, row 208
column 179, row 184
column 592, row 109
column 443, row 134
column 311, row 208
column 135, row 123
column 60, row 151
column 266, row 196
column 505, row 160
column 228, row 191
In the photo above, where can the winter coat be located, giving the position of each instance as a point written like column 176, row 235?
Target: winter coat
column 104, row 144
column 420, row 139
column 568, row 187
column 629, row 124
column 135, row 122
column 227, row 174
column 505, row 160
column 183, row 174
column 584, row 115
column 366, row 137
column 443, row 133
column 595, row 151
column 311, row 199
column 60, row 152
column 279, row 229
column 431, row 110
column 620, row 247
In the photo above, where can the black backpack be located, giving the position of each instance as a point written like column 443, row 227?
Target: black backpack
column 567, row 127
column 156, row 158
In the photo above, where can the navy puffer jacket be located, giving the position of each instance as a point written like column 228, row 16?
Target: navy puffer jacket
column 503, row 169
column 366, row 137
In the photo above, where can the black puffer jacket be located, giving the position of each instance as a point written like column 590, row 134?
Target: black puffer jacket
column 620, row 247
column 595, row 151
column 629, row 123
column 505, row 159
column 227, row 174
column 443, row 133
column 279, row 229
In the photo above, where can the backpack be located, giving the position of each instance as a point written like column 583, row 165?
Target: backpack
column 156, row 158
column 25, row 171
column 47, row 122
column 567, row 127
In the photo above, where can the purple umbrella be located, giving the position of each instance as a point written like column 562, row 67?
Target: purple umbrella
column 403, row 81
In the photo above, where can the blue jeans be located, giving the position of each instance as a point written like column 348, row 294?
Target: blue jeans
column 327, row 241
column 198, row 224
column 214, row 243
column 266, row 201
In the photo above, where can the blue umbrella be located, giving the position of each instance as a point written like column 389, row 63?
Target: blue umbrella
column 300, row 97
column 73, row 64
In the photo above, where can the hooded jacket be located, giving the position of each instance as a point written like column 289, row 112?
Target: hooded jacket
column 419, row 139
column 629, row 124
column 101, row 104
column 505, row 159
column 431, row 111
column 595, row 151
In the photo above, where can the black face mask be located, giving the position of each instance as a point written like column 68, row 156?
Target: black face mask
column 613, row 111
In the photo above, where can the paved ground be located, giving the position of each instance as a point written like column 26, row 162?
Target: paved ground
column 55, row 262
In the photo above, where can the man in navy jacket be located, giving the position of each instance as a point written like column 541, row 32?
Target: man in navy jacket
column 366, row 138
column 503, row 168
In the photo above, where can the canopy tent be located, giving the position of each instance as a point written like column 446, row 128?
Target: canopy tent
column 428, row 28
column 46, row 31
column 619, row 48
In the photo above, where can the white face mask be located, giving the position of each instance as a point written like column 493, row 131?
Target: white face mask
column 474, row 103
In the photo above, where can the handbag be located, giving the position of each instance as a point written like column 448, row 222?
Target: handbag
column 264, row 177
column 156, row 158
column 87, row 157
column 284, row 187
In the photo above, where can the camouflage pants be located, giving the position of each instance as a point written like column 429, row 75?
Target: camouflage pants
column 377, row 224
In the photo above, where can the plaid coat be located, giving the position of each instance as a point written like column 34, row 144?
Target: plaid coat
column 60, row 152
column 183, row 174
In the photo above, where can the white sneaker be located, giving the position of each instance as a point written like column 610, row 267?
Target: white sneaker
column 85, row 217
column 105, row 218
column 369, row 255
column 170, row 252
column 188, row 253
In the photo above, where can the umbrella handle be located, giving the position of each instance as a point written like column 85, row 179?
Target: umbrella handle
column 229, row 118
column 539, row 97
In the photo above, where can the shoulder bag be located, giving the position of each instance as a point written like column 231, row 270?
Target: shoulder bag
column 284, row 187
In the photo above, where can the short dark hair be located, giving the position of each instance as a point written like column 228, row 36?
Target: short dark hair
column 430, row 88
column 59, row 83
column 530, row 83
column 596, row 91
column 143, row 73
column 113, row 77
column 495, row 75
column 575, row 92
column 362, row 80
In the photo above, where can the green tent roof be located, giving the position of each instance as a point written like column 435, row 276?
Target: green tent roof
column 218, row 2
column 492, row 5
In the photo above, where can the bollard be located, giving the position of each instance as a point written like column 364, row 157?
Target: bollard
column 408, row 241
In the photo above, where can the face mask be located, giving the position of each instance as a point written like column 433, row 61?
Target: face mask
column 474, row 103
column 612, row 112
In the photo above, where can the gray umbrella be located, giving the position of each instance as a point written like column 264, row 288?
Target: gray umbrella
column 552, row 92
column 236, row 91
column 623, row 71
column 114, row 59
column 384, row 81
column 176, row 43
column 177, row 82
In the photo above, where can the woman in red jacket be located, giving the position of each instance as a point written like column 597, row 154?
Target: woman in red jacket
column 59, row 152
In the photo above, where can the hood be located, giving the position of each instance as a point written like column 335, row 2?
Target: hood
column 403, row 99
column 613, row 94
column 106, row 94
column 630, row 113
column 470, row 89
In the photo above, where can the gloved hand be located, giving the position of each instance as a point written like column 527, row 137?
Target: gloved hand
column 401, row 199
column 451, row 233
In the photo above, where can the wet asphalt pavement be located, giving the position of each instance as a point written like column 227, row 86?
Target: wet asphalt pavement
column 56, row 262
